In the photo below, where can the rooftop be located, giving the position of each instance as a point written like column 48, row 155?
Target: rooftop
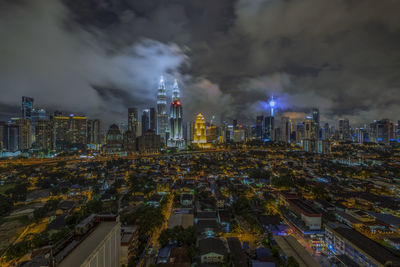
column 368, row 246
column 78, row 256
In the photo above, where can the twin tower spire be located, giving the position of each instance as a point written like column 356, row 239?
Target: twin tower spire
column 170, row 127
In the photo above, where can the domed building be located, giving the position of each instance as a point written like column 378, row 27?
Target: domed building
column 114, row 140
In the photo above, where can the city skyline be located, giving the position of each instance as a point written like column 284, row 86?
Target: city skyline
column 233, row 133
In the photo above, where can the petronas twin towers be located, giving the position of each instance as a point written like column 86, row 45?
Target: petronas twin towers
column 173, row 132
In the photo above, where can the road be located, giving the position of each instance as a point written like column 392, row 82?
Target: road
column 153, row 243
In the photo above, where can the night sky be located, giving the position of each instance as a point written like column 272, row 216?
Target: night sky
column 101, row 57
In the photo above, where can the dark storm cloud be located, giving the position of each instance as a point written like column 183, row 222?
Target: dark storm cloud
column 340, row 56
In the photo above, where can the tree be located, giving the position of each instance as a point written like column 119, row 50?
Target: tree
column 6, row 205
column 93, row 206
column 275, row 251
column 291, row 262
column 40, row 240
column 17, row 193
column 284, row 181
column 228, row 260
column 17, row 250
column 241, row 205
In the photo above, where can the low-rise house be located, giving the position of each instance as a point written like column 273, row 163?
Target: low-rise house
column 129, row 242
column 211, row 250
column 224, row 218
column 238, row 255
column 186, row 200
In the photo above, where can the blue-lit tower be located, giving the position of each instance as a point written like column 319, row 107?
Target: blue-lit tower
column 272, row 105
column 176, row 119
column 269, row 121
column 162, row 115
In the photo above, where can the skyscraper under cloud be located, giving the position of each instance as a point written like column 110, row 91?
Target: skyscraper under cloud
column 176, row 119
column 162, row 115
column 26, row 107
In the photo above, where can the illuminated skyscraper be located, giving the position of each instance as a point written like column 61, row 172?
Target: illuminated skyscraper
column 315, row 115
column 93, row 132
column 381, row 131
column 272, row 105
column 259, row 127
column 60, row 131
column 176, row 119
column 43, row 134
column 133, row 120
column 299, row 132
column 78, row 130
column 309, row 132
column 162, row 115
column 25, row 133
column 145, row 120
column 26, row 107
column 344, row 129
column 200, row 137
column 285, row 129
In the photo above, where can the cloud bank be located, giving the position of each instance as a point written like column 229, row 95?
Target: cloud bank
column 101, row 57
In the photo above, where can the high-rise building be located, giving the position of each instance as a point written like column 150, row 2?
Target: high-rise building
column 100, row 246
column 221, row 131
column 26, row 107
column 268, row 128
column 323, row 147
column 398, row 131
column 93, row 132
column 153, row 119
column 13, row 138
column 381, row 131
column 145, row 120
column 43, row 134
column 211, row 134
column 61, row 130
column 149, row 142
column 129, row 142
column 239, row 135
column 299, row 132
column 114, row 140
column 344, row 129
column 25, row 133
column 191, row 130
column 176, row 119
column 326, row 132
column 78, row 130
column 162, row 115
column 200, row 138
column 285, row 130
column 272, row 106
column 315, row 116
column 235, row 124
column 269, row 122
column 309, row 132
column 259, row 127
column 3, row 129
column 133, row 119
column 38, row 114
column 360, row 133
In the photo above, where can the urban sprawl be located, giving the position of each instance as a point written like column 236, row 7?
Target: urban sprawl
column 159, row 191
